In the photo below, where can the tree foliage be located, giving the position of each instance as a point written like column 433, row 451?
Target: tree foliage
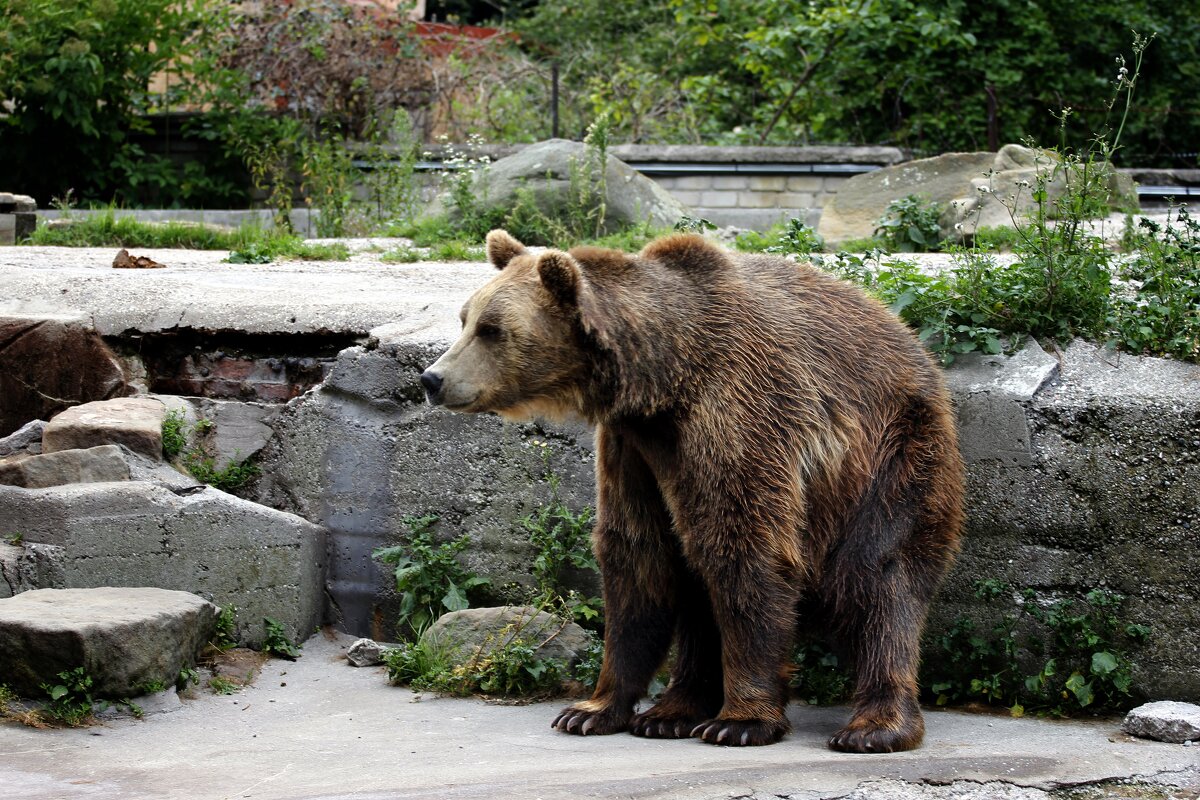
column 73, row 89
column 918, row 73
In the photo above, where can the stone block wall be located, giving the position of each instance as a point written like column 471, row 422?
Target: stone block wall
column 753, row 201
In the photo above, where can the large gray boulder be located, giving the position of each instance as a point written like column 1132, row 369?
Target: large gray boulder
column 266, row 562
column 971, row 189
column 124, row 638
column 545, row 170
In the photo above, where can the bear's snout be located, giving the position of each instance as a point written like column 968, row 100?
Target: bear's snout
column 433, row 386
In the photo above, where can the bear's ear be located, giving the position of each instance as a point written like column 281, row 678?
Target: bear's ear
column 502, row 248
column 561, row 276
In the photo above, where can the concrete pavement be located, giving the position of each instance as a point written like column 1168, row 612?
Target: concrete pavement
column 318, row 728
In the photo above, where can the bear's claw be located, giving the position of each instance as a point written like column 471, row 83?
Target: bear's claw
column 740, row 732
column 653, row 727
column 584, row 722
column 874, row 740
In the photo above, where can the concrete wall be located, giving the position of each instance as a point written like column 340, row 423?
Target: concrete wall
column 1083, row 472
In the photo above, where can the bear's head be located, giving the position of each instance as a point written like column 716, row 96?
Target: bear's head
column 522, row 349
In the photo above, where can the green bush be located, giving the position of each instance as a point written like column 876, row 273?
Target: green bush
column 429, row 579
column 75, row 75
column 1056, row 656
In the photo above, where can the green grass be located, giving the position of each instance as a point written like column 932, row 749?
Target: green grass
column 247, row 245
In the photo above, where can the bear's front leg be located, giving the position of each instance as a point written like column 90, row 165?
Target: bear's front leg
column 752, row 582
column 695, row 692
column 639, row 564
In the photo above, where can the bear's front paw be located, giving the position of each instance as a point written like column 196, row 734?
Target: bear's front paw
column 875, row 739
column 664, row 726
column 740, row 732
column 585, row 719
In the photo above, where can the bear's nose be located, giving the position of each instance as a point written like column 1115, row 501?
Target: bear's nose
column 433, row 385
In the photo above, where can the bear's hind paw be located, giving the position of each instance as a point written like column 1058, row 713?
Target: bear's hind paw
column 740, row 732
column 587, row 722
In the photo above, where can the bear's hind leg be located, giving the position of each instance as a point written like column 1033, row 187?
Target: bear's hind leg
column 695, row 692
column 878, row 585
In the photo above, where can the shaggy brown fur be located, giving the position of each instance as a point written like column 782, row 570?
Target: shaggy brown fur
column 769, row 440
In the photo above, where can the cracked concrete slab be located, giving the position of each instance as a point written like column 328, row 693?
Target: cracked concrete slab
column 322, row 730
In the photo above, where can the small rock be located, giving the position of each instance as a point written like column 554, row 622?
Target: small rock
column 126, row 261
column 365, row 653
column 1165, row 721
column 24, row 440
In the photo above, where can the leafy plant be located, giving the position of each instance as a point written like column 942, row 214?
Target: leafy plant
column 1076, row 646
column 152, row 687
column 15, row 539
column 562, row 539
column 910, row 225
column 1158, row 310
column 276, row 641
column 818, row 676
column 225, row 635
column 429, row 578
column 687, row 224
column 174, row 433
column 220, row 685
column 228, row 478
column 71, row 700
column 188, row 676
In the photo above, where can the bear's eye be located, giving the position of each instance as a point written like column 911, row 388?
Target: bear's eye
column 488, row 331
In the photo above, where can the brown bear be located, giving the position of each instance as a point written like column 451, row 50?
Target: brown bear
column 773, row 449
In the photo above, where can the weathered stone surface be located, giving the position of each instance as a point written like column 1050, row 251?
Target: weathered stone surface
column 854, row 212
column 1104, row 497
column 265, row 562
column 364, row 453
column 958, row 790
column 92, row 465
column 1165, row 720
column 545, row 169
column 970, row 188
column 124, row 638
column 29, row 566
column 27, row 439
column 995, row 199
column 365, row 653
column 475, row 632
column 12, row 203
column 49, row 362
column 135, row 422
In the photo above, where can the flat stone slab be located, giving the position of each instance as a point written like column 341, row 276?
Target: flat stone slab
column 320, row 730
column 135, row 422
column 179, row 536
column 1165, row 721
column 124, row 638
column 92, row 465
